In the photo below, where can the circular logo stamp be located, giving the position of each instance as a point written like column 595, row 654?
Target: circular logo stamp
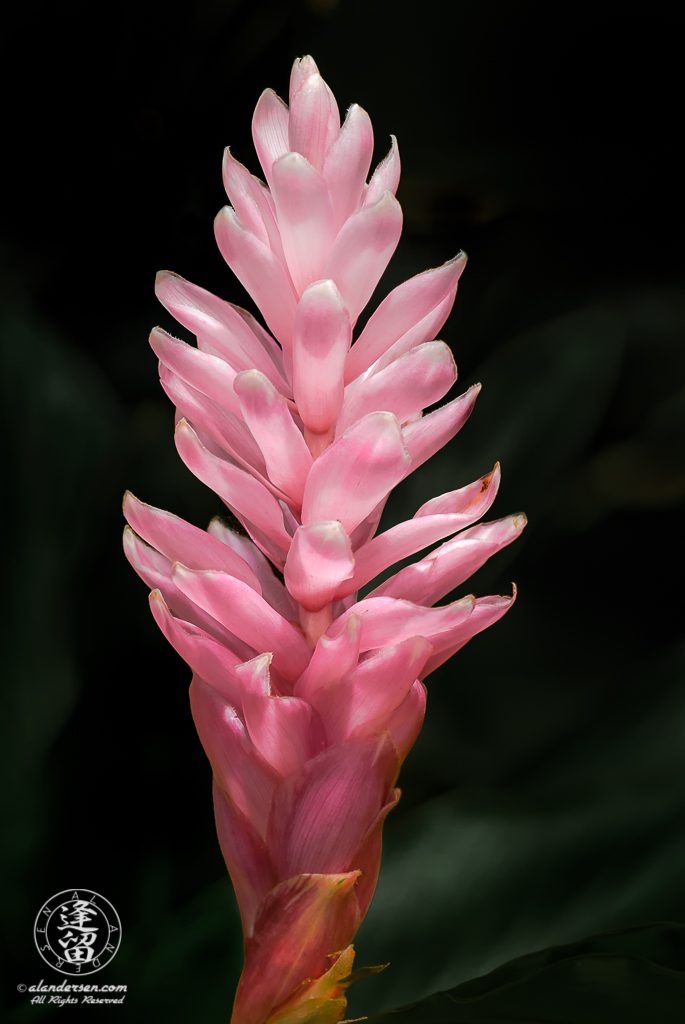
column 77, row 932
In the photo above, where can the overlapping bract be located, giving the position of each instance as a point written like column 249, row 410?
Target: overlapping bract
column 307, row 699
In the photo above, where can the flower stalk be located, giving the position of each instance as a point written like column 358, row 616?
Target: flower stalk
column 306, row 698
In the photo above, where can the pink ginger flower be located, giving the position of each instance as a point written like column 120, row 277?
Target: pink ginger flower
column 305, row 698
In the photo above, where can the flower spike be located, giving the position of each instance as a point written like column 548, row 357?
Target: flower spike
column 307, row 698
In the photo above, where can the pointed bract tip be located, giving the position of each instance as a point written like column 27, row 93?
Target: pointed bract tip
column 493, row 477
column 352, row 112
column 303, row 68
column 269, row 92
column 163, row 277
column 326, row 287
column 227, row 213
column 393, row 151
column 178, row 569
column 129, row 497
column 183, row 426
column 261, row 662
column 385, row 199
column 159, row 332
column 457, row 263
column 251, row 380
column 255, row 674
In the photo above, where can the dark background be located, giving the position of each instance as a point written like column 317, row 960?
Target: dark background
column 544, row 799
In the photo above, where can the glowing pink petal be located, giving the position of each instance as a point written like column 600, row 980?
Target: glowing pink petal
column 300, row 924
column 272, row 589
column 244, row 196
column 405, row 306
column 453, row 512
column 333, row 659
column 305, row 218
column 474, row 499
column 206, row 373
column 243, row 773
column 155, row 570
column 314, row 120
column 320, row 558
column 386, row 621
column 362, row 250
column 301, row 70
column 246, row 856
column 280, row 358
column 416, row 380
column 425, row 330
column 221, row 328
column 287, row 457
column 446, row 568
column 486, row 612
column 260, row 272
column 285, row 730
column 373, row 691
column 425, row 437
column 270, row 130
column 250, row 616
column 321, row 815
column 238, row 489
column 230, row 434
column 347, row 162
column 321, row 339
column 251, row 202
column 181, row 542
column 206, row 656
column 356, row 472
column 386, row 177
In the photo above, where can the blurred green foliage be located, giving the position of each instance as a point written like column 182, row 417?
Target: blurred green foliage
column 544, row 800
column 623, row 977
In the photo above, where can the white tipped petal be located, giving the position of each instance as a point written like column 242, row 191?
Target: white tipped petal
column 402, row 311
column 320, row 558
column 386, row 177
column 416, row 380
column 206, row 373
column 225, row 329
column 314, row 120
column 356, row 472
column 235, row 486
column 259, row 271
column 347, row 161
column 305, row 218
column 321, row 340
column 285, row 452
column 270, row 130
column 362, row 251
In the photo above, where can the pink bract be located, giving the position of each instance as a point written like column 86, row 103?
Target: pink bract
column 307, row 699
